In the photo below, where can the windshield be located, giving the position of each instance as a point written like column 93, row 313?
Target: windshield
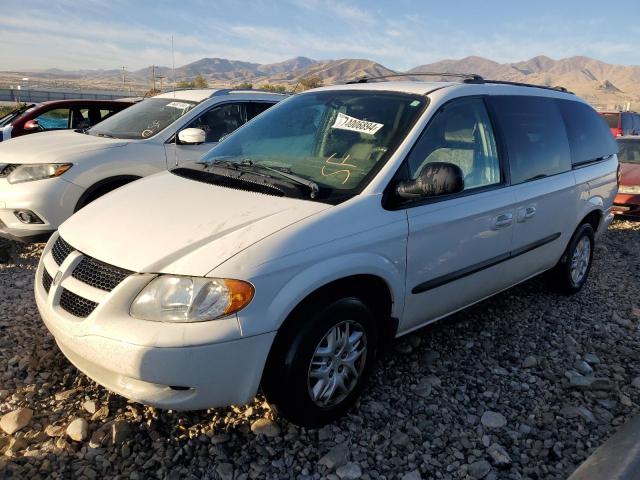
column 144, row 119
column 629, row 151
column 12, row 115
column 335, row 139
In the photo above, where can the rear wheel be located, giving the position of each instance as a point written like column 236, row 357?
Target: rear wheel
column 320, row 363
column 572, row 271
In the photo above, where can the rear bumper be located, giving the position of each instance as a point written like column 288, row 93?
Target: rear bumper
column 626, row 204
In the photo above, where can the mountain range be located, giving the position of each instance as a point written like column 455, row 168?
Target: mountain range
column 604, row 85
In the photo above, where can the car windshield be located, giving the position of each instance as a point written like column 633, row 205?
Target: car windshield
column 12, row 115
column 144, row 119
column 629, row 151
column 336, row 140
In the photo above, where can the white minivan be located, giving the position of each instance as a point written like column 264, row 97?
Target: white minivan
column 45, row 178
column 337, row 220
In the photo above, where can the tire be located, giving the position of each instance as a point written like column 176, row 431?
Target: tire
column 572, row 271
column 291, row 382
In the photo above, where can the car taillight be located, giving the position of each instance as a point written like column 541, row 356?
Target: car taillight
column 619, row 132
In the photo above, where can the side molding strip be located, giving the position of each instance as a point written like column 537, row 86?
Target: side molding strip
column 470, row 270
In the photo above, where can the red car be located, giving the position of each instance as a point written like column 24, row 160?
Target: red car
column 622, row 123
column 58, row 115
column 627, row 201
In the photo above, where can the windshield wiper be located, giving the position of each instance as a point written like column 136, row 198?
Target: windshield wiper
column 249, row 165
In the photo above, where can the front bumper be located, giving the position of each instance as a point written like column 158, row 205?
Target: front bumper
column 52, row 199
column 175, row 366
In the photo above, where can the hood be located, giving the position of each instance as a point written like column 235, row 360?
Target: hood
column 169, row 224
column 50, row 147
column 630, row 174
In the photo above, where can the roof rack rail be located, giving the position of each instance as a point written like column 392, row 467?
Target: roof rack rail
column 522, row 84
column 227, row 91
column 469, row 77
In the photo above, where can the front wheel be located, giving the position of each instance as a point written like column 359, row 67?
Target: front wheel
column 321, row 361
column 571, row 272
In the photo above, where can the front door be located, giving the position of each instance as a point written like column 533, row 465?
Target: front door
column 457, row 244
column 216, row 122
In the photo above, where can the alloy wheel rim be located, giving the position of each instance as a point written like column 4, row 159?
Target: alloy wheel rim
column 337, row 364
column 580, row 260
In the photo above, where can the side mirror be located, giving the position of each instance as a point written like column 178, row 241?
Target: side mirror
column 435, row 179
column 32, row 126
column 192, row 136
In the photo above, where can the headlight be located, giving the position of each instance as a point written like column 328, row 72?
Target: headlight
column 629, row 189
column 28, row 173
column 170, row 298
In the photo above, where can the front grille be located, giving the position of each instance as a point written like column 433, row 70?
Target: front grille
column 76, row 305
column 46, row 280
column 7, row 169
column 61, row 250
column 99, row 274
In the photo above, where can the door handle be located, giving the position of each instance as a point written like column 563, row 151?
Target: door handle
column 525, row 213
column 502, row 221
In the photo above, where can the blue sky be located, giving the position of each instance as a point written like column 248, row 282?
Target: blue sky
column 399, row 34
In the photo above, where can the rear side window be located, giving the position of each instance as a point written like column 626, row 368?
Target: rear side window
column 55, row 119
column 589, row 136
column 535, row 136
column 255, row 109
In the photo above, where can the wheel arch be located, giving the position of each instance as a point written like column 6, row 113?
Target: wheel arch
column 105, row 185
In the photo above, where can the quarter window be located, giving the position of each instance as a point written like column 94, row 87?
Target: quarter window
column 461, row 134
column 589, row 135
column 535, row 136
column 221, row 120
column 55, row 119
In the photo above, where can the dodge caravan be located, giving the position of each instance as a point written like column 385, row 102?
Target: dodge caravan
column 337, row 220
column 45, row 178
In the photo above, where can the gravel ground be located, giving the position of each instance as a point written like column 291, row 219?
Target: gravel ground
column 525, row 385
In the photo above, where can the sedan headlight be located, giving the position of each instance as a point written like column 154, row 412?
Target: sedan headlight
column 629, row 189
column 171, row 298
column 38, row 171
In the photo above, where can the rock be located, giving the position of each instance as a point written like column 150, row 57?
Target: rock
column 414, row 340
column 54, row 430
column 16, row 420
column 225, row 471
column 101, row 413
column 90, row 406
column 266, row 427
column 499, row 456
column 591, row 358
column 413, row 475
column 64, row 395
column 479, row 469
column 590, row 383
column 15, row 445
column 623, row 322
column 336, row 457
column 583, row 367
column 423, row 389
column 572, row 412
column 624, row 400
column 400, row 439
column 529, row 362
column 636, row 382
column 221, row 438
column 120, row 430
column 403, row 347
column 78, row 430
column 493, row 420
column 349, row 471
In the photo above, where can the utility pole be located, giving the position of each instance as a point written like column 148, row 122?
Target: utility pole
column 124, row 78
column 153, row 74
column 160, row 77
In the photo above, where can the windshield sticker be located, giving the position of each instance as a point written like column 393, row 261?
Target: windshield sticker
column 345, row 122
column 180, row 105
column 415, row 103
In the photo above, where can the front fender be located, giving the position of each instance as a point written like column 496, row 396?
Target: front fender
column 301, row 285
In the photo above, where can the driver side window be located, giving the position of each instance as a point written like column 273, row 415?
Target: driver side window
column 221, row 120
column 461, row 134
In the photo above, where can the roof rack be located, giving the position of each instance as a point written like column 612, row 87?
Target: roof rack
column 227, row 91
column 521, row 84
column 472, row 77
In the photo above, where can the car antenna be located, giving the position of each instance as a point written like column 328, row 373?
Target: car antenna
column 173, row 74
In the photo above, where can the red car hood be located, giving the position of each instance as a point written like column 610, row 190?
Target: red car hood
column 630, row 174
